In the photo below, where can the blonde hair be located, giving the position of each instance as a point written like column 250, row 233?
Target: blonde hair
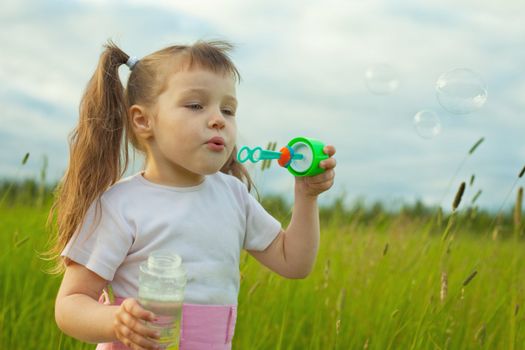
column 99, row 144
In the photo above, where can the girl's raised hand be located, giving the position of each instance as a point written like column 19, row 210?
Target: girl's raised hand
column 312, row 186
column 130, row 326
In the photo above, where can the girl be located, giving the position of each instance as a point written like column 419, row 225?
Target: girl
column 178, row 109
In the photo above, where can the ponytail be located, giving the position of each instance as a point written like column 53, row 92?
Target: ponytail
column 98, row 155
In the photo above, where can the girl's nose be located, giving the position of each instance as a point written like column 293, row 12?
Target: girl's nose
column 217, row 121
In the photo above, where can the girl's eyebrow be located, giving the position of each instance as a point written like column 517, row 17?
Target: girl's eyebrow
column 205, row 91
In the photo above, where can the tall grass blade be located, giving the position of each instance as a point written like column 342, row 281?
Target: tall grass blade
column 470, row 152
column 517, row 211
column 8, row 190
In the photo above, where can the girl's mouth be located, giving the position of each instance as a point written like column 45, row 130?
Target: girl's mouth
column 215, row 147
column 216, row 144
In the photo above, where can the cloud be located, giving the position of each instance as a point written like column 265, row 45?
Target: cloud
column 303, row 74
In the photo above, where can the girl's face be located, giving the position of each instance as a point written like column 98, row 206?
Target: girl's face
column 194, row 130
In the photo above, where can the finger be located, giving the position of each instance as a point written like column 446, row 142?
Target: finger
column 133, row 307
column 329, row 163
column 328, row 175
column 322, row 187
column 320, row 181
column 134, row 340
column 329, row 150
column 123, row 335
column 143, row 343
column 138, row 326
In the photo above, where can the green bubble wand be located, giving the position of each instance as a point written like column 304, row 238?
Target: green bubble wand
column 301, row 156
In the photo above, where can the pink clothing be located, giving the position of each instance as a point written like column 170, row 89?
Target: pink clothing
column 203, row 327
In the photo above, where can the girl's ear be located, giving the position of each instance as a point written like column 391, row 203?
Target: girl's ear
column 141, row 122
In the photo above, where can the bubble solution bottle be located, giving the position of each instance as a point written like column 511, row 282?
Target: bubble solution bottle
column 162, row 279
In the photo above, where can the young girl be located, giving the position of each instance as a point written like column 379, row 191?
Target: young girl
column 179, row 109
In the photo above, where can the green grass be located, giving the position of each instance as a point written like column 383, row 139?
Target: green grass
column 361, row 294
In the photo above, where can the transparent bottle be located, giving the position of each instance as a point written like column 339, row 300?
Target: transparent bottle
column 162, row 279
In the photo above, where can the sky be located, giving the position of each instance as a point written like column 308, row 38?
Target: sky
column 303, row 66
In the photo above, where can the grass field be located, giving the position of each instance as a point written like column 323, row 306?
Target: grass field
column 380, row 282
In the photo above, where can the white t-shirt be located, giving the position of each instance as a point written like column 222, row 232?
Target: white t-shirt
column 207, row 225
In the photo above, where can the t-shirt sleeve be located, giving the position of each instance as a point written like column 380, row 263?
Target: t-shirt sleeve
column 261, row 227
column 101, row 243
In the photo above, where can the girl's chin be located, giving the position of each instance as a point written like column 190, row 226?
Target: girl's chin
column 209, row 170
column 209, row 166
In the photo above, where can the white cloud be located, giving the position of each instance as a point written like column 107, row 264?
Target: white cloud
column 303, row 73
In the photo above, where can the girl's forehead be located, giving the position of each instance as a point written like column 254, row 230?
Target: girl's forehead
column 181, row 72
column 203, row 72
column 201, row 77
column 184, row 63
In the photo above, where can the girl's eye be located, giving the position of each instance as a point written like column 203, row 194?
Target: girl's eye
column 194, row 106
column 228, row 112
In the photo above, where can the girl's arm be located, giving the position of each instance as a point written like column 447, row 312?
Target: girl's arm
column 292, row 253
column 79, row 314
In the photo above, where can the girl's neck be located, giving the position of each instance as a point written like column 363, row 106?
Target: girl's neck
column 179, row 177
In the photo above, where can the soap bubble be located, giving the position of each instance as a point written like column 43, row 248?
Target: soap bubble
column 381, row 79
column 461, row 91
column 427, row 124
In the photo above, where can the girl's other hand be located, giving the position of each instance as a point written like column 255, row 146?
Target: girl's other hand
column 130, row 326
column 312, row 186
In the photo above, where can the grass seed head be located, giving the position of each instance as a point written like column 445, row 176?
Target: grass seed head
column 473, row 148
column 475, row 198
column 480, row 335
column 459, row 195
column 469, row 278
column 26, row 157
column 444, row 286
column 341, row 300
